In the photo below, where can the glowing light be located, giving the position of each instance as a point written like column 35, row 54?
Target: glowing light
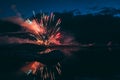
column 45, row 30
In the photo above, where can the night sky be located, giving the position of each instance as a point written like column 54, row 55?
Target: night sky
column 25, row 7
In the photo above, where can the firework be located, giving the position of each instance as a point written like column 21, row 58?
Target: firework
column 45, row 30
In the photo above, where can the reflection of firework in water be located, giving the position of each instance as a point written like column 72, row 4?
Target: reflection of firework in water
column 43, row 72
column 45, row 30
column 40, row 71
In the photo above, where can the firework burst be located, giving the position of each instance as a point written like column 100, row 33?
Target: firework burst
column 45, row 30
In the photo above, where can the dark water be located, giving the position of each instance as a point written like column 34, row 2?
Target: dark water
column 93, row 63
column 90, row 63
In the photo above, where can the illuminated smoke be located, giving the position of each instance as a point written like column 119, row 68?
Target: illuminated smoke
column 43, row 31
column 12, row 40
column 68, row 39
column 13, row 7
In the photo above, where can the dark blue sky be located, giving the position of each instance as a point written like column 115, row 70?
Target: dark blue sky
column 25, row 7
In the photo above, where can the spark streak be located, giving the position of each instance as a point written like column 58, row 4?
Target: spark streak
column 44, row 30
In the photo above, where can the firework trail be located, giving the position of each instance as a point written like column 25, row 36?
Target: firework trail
column 45, row 30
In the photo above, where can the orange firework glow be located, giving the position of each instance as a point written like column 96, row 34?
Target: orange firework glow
column 44, row 30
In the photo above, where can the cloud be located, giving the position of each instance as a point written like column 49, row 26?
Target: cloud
column 13, row 40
